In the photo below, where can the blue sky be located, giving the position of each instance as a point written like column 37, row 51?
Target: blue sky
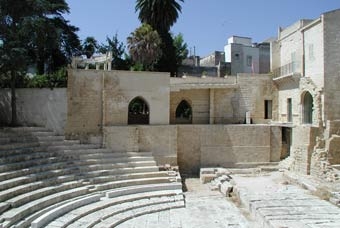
column 205, row 24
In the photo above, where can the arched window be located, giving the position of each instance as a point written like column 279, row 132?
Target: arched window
column 307, row 108
column 138, row 112
column 183, row 113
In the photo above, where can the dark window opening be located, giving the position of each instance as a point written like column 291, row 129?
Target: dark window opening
column 184, row 113
column 138, row 112
column 268, row 109
column 289, row 110
column 307, row 108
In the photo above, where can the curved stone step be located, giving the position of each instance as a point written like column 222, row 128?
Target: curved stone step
column 121, row 217
column 42, row 192
column 32, row 185
column 16, row 214
column 86, row 214
column 126, row 183
column 143, row 188
column 63, row 209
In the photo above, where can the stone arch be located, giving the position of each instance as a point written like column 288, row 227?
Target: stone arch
column 139, row 112
column 183, row 112
column 307, row 108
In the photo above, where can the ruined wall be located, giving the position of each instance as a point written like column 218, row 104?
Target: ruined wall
column 304, row 140
column 99, row 98
column 197, row 146
column 36, row 107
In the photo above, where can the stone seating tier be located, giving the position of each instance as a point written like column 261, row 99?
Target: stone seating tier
column 43, row 176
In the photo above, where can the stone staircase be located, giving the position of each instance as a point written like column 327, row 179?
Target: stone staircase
column 47, row 181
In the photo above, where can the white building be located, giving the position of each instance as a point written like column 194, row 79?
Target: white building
column 246, row 57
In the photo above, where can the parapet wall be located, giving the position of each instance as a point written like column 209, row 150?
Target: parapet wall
column 36, row 107
column 195, row 146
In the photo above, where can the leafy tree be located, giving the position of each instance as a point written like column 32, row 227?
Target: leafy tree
column 181, row 48
column 144, row 45
column 90, row 46
column 117, row 49
column 20, row 22
column 161, row 15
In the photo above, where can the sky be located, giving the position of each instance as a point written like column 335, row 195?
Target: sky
column 206, row 25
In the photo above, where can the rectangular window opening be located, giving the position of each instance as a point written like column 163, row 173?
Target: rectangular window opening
column 268, row 109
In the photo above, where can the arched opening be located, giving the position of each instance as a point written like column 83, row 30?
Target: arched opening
column 138, row 112
column 307, row 108
column 183, row 113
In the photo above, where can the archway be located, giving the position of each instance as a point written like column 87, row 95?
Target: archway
column 138, row 111
column 307, row 108
column 184, row 113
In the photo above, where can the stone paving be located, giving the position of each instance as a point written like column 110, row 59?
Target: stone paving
column 204, row 209
column 274, row 203
column 268, row 201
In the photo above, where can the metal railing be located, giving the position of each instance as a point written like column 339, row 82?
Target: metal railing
column 288, row 69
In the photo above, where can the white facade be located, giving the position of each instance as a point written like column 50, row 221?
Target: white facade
column 245, row 56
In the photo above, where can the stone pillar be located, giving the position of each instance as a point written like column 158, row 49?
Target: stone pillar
column 248, row 117
column 97, row 66
column 212, row 107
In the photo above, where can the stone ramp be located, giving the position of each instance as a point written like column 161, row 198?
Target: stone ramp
column 44, row 177
column 274, row 203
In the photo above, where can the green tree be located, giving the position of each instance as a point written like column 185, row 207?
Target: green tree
column 117, row 49
column 161, row 15
column 90, row 46
column 20, row 21
column 55, row 42
column 181, row 48
column 144, row 45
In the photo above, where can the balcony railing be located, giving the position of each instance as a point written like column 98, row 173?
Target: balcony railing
column 285, row 70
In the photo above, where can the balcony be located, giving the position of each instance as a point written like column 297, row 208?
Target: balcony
column 290, row 71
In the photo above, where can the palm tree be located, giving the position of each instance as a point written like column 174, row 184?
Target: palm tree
column 90, row 45
column 144, row 46
column 161, row 15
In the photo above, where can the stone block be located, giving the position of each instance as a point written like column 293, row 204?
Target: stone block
column 205, row 178
column 226, row 188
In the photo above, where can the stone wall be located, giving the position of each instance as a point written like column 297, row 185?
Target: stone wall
column 99, row 98
column 36, row 107
column 197, row 146
column 304, row 140
column 332, row 66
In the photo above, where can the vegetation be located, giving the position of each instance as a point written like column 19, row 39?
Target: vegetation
column 34, row 33
column 117, row 49
column 161, row 15
column 181, row 48
column 144, row 46
column 90, row 46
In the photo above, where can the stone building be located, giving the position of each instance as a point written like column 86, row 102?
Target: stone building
column 290, row 114
column 305, row 66
column 247, row 57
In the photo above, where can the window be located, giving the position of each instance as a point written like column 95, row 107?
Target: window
column 307, row 108
column 237, row 56
column 138, row 112
column 268, row 109
column 249, row 60
column 183, row 113
column 289, row 110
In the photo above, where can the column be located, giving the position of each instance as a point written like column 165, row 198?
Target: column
column 212, row 106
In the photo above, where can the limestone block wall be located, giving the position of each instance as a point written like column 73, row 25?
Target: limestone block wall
column 160, row 140
column 36, row 107
column 99, row 98
column 332, row 66
column 198, row 100
column 195, row 146
column 303, row 142
column 254, row 89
